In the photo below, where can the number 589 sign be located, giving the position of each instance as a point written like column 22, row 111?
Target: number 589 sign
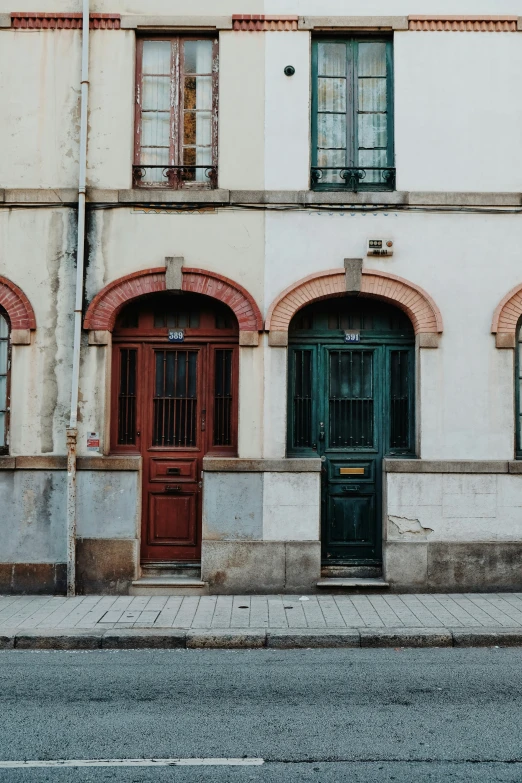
column 176, row 335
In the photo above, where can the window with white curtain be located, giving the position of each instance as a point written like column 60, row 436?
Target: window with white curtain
column 176, row 113
column 352, row 114
column 4, row 384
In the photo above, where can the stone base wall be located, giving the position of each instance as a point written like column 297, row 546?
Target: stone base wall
column 33, row 525
column 453, row 531
column 261, row 566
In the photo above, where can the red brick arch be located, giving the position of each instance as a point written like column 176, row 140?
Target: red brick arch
column 102, row 311
column 506, row 318
column 413, row 300
column 17, row 305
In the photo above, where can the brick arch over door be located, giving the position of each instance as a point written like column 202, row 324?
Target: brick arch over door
column 506, row 318
column 16, row 305
column 102, row 311
column 413, row 300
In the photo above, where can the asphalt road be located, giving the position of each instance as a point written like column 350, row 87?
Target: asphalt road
column 312, row 715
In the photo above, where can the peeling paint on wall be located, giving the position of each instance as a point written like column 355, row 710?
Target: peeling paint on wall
column 402, row 526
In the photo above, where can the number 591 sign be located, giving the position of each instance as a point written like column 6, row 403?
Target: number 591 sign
column 352, row 337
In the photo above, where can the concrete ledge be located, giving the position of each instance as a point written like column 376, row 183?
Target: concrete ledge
column 20, row 337
column 353, row 22
column 292, row 638
column 139, row 22
column 237, row 465
column 487, row 637
column 515, row 466
column 57, row 462
column 54, row 462
column 41, row 195
column 5, row 20
column 100, row 337
column 406, row 637
column 445, row 466
column 109, row 463
column 139, row 638
column 54, row 639
column 226, row 639
column 152, row 196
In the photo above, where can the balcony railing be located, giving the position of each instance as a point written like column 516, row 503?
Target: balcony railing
column 176, row 177
column 353, row 178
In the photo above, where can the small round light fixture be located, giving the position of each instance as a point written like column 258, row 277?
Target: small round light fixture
column 289, row 70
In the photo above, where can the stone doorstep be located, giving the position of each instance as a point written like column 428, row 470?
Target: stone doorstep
column 249, row 638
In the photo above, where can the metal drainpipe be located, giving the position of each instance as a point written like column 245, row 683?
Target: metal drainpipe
column 72, row 430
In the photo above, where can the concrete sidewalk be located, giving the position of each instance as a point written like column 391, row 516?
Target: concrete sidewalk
column 112, row 622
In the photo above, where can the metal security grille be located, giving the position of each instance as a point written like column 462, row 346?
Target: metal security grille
column 351, row 399
column 302, row 408
column 399, row 400
column 4, row 368
column 175, row 399
column 127, row 397
column 223, row 398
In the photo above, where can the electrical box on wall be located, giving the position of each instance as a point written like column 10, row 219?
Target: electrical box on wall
column 379, row 247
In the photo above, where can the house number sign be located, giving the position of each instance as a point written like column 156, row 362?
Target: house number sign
column 352, row 337
column 176, row 335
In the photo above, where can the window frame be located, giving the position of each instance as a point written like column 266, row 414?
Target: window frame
column 4, row 447
column 354, row 184
column 176, row 137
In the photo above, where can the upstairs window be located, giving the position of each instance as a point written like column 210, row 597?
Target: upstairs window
column 4, row 382
column 176, row 113
column 352, row 115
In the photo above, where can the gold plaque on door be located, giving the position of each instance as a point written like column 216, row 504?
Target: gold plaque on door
column 351, row 471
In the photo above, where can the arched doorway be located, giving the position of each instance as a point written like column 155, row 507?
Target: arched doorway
column 174, row 399
column 351, row 402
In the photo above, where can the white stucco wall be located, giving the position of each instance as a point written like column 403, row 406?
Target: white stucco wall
column 457, row 105
column 36, row 253
column 39, row 95
column 111, row 109
column 287, row 111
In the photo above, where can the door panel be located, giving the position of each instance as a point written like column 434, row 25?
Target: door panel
column 175, row 439
column 351, row 485
column 172, row 520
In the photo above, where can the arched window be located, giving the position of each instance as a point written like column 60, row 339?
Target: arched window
column 518, row 390
column 4, row 381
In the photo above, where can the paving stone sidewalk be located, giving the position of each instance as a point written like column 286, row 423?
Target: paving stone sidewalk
column 466, row 610
column 273, row 620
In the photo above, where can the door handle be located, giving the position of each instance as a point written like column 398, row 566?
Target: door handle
column 203, row 421
column 352, row 488
column 321, row 431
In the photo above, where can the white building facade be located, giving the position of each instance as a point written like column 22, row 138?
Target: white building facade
column 301, row 296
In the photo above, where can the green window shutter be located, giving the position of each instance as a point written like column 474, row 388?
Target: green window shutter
column 352, row 115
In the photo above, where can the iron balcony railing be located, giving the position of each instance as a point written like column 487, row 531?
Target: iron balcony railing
column 176, row 177
column 353, row 178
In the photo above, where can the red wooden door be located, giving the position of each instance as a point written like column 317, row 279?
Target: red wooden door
column 173, row 403
column 173, row 445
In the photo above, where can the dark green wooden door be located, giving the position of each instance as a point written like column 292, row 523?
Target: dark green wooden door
column 351, row 405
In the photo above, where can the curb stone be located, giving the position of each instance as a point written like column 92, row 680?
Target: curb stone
column 147, row 638
column 487, row 637
column 291, row 638
column 277, row 638
column 53, row 639
column 406, row 637
column 226, row 639
column 7, row 640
